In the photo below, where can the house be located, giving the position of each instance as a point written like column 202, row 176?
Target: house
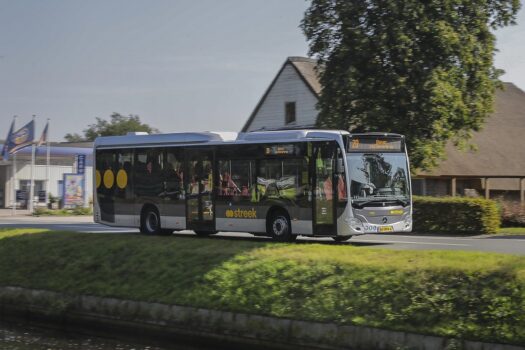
column 290, row 100
column 496, row 168
column 62, row 159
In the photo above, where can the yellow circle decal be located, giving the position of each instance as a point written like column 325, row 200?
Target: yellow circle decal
column 109, row 178
column 229, row 213
column 122, row 178
column 98, row 178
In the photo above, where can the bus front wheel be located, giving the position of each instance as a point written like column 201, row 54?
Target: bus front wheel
column 279, row 227
column 150, row 222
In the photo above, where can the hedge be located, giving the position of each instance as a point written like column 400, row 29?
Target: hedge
column 455, row 215
column 471, row 295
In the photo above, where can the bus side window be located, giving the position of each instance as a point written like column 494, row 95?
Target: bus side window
column 148, row 172
column 235, row 178
column 173, row 173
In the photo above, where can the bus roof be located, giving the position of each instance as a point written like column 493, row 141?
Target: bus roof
column 209, row 137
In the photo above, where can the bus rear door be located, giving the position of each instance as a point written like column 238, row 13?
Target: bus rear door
column 200, row 206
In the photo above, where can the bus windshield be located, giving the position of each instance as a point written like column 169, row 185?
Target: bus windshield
column 378, row 177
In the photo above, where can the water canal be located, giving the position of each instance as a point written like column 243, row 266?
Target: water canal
column 18, row 336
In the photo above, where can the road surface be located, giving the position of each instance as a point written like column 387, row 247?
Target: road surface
column 488, row 243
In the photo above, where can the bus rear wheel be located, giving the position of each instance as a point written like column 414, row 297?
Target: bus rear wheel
column 150, row 222
column 341, row 238
column 279, row 227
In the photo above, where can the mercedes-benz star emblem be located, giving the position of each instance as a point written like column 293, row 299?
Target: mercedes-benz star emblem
column 385, row 219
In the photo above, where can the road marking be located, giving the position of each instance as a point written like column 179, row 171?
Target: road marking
column 433, row 237
column 410, row 242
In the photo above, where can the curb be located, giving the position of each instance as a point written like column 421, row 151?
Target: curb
column 173, row 320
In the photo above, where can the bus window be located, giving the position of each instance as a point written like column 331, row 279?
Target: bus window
column 148, row 172
column 235, row 178
column 279, row 178
column 174, row 174
column 122, row 174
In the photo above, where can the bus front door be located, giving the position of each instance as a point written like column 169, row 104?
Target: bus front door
column 199, row 190
column 324, row 210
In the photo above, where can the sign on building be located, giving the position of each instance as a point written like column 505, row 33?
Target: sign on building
column 81, row 163
column 73, row 190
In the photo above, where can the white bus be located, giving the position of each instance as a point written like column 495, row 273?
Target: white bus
column 275, row 183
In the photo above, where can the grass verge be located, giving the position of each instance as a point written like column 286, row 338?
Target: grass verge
column 512, row 230
column 478, row 296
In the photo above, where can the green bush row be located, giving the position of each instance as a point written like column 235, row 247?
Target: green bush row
column 455, row 215
column 63, row 212
column 477, row 296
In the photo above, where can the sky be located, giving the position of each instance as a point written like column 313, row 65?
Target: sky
column 181, row 65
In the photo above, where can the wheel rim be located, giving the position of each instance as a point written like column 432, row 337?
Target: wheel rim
column 152, row 222
column 280, row 226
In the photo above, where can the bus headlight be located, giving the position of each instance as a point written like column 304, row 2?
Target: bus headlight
column 355, row 224
column 408, row 220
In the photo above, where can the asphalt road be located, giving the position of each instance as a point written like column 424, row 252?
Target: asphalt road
column 495, row 243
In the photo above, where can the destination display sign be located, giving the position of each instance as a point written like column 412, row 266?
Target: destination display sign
column 279, row 150
column 376, row 144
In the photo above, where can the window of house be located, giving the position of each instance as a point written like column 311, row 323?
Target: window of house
column 25, row 185
column 289, row 112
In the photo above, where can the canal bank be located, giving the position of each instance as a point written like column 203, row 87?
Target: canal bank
column 169, row 323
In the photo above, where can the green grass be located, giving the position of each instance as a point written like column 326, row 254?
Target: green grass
column 478, row 296
column 512, row 230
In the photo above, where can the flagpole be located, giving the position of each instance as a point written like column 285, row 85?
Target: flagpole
column 48, row 156
column 32, row 185
column 14, row 185
column 13, row 178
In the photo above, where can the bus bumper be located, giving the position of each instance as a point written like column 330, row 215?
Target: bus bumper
column 354, row 226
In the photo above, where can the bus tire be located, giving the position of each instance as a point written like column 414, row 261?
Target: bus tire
column 341, row 238
column 204, row 233
column 150, row 221
column 280, row 228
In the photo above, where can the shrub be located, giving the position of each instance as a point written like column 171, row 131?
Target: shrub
column 455, row 215
column 63, row 212
column 82, row 211
column 512, row 214
column 41, row 211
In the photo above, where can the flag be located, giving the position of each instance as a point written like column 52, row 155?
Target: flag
column 43, row 138
column 5, row 149
column 21, row 138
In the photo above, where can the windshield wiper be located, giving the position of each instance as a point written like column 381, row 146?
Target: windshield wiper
column 381, row 199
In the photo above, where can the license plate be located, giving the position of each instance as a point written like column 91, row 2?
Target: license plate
column 386, row 229
column 370, row 228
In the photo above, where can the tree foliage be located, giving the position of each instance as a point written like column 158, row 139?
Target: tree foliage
column 117, row 125
column 420, row 68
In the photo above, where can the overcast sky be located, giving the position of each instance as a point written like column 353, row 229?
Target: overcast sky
column 189, row 65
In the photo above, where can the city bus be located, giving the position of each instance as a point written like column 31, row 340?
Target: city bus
column 282, row 184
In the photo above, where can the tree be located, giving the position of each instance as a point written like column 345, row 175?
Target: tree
column 420, row 68
column 118, row 125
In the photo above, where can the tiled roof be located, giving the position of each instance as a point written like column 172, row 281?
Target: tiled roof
column 500, row 144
